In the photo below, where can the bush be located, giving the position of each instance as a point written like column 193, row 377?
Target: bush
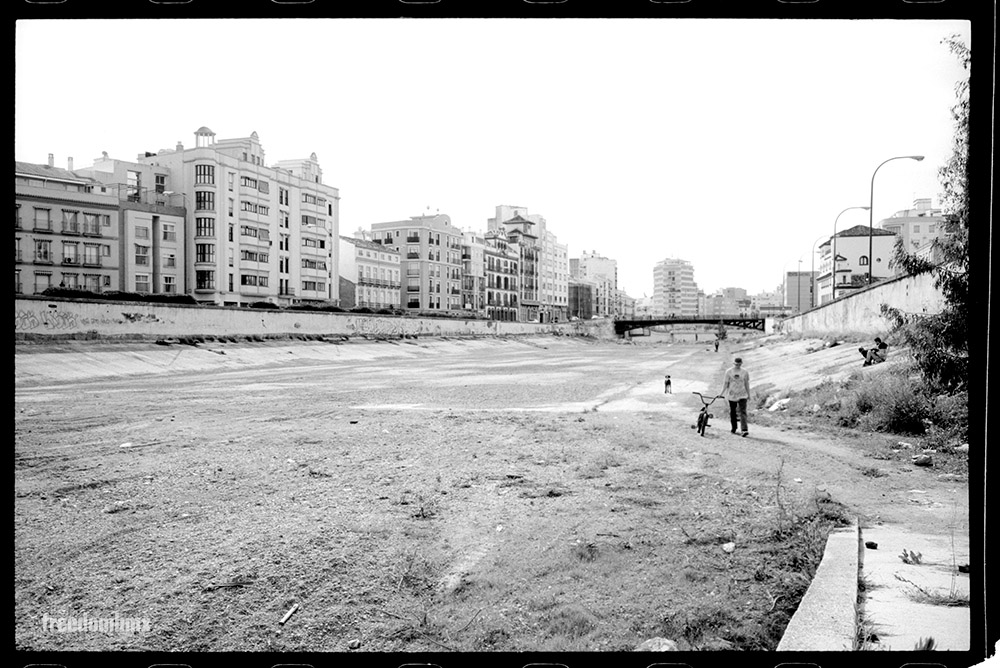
column 265, row 305
column 117, row 295
column 888, row 402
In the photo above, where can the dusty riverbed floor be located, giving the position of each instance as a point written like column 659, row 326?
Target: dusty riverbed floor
column 423, row 496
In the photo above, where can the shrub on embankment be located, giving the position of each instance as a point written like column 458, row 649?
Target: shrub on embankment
column 891, row 400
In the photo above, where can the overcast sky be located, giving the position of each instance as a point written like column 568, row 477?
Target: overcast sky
column 733, row 144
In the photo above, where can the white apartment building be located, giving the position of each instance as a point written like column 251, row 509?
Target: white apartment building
column 253, row 232
column 850, row 272
column 369, row 274
column 917, row 226
column 674, row 290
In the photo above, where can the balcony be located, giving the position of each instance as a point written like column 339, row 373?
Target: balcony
column 71, row 261
column 43, row 258
column 413, row 239
column 71, row 229
column 286, row 292
column 18, row 257
column 45, row 230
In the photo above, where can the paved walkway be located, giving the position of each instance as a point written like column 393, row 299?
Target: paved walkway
column 903, row 604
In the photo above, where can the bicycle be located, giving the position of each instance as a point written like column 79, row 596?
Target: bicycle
column 703, row 414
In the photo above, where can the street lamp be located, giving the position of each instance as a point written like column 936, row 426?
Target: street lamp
column 871, row 206
column 833, row 269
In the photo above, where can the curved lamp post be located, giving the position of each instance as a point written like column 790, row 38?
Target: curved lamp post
column 871, row 207
column 833, row 269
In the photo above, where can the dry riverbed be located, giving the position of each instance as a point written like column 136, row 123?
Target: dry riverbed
column 428, row 496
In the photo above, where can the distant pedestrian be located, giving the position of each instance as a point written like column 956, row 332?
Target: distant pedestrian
column 716, row 345
column 736, row 389
column 667, row 387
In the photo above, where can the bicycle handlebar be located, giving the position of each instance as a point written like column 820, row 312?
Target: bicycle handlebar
column 718, row 396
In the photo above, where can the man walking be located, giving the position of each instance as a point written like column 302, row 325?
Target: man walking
column 736, row 389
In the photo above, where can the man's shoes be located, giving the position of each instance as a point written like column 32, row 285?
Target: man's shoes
column 733, row 431
column 745, row 434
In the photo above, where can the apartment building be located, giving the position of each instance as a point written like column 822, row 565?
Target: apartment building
column 66, row 231
column 430, row 249
column 917, row 226
column 850, row 271
column 369, row 274
column 474, row 273
column 674, row 289
column 798, row 290
column 252, row 232
column 522, row 239
column 153, row 228
column 502, row 268
column 603, row 273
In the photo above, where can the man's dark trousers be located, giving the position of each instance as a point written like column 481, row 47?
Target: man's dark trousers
column 738, row 412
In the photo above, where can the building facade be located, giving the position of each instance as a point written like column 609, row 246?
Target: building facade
column 474, row 273
column 674, row 289
column 850, row 270
column 603, row 273
column 67, row 231
column 430, row 250
column 369, row 274
column 917, row 227
column 503, row 274
column 253, row 232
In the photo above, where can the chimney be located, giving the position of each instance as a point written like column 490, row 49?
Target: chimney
column 180, row 146
column 69, row 163
column 52, row 160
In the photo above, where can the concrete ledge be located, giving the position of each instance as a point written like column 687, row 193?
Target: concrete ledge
column 826, row 618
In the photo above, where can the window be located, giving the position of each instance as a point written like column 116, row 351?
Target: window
column 204, row 252
column 90, row 224
column 931, row 229
column 92, row 282
column 43, row 219
column 232, row 204
column 70, row 221
column 253, row 256
column 230, row 232
column 264, row 187
column 42, row 282
column 313, row 264
column 308, row 220
column 105, row 220
column 252, row 279
column 141, row 255
column 141, row 232
column 283, row 196
column 161, row 183
column 308, row 198
column 315, row 286
column 204, row 201
column 204, row 174
column 91, row 254
column 204, row 280
column 70, row 280
column 863, row 261
column 204, row 227
column 71, row 253
column 142, row 282
column 170, row 260
column 134, row 186
column 169, row 232
column 248, row 182
column 43, row 251
column 170, row 285
column 232, row 179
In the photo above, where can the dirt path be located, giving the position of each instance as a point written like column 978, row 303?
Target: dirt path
column 421, row 496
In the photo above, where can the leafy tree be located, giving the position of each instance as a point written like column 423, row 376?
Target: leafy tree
column 940, row 342
column 720, row 333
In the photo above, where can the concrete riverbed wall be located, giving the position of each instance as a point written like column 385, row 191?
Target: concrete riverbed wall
column 861, row 311
column 40, row 318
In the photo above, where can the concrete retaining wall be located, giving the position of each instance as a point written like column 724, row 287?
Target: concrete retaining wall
column 861, row 312
column 42, row 318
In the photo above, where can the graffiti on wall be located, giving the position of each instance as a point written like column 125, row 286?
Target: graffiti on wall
column 25, row 319
column 56, row 319
column 394, row 327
